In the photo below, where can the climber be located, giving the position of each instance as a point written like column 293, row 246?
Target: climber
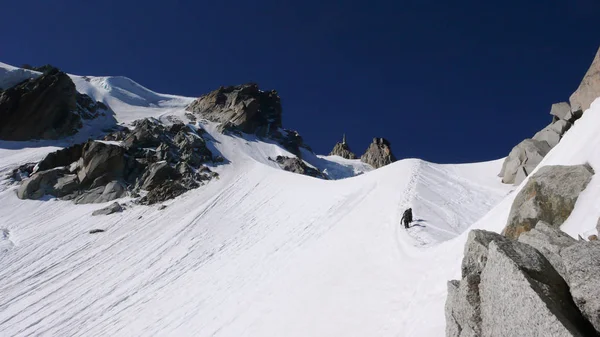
column 407, row 218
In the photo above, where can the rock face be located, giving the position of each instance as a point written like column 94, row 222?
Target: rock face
column 508, row 288
column 296, row 165
column 343, row 150
column 40, row 184
column 63, row 157
column 562, row 111
column 553, row 132
column 549, row 196
column 165, row 161
column 244, row 106
column 523, row 159
column 47, row 107
column 589, row 89
column 100, row 160
column 379, row 153
column 550, row 242
column 518, row 285
column 582, row 269
column 476, row 249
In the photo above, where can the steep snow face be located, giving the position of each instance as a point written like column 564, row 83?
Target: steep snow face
column 260, row 251
column 129, row 98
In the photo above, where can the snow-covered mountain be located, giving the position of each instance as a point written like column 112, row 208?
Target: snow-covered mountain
column 259, row 251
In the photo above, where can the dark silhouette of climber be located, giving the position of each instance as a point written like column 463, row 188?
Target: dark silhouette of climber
column 407, row 218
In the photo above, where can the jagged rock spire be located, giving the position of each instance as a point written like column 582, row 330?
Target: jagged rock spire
column 379, row 153
column 342, row 149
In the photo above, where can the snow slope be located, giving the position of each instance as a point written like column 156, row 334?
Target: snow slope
column 261, row 251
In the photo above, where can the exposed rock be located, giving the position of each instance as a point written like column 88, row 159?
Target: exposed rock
column 296, row 165
column 562, row 111
column 65, row 185
column 147, row 133
column 118, row 135
column 39, row 108
column 453, row 329
column 88, row 108
column 62, row 157
column 22, row 172
column 166, row 190
column 100, row 159
column 553, row 132
column 98, row 172
column 582, row 264
column 525, row 156
column 244, row 106
column 157, row 174
column 343, row 150
column 379, row 153
column 45, row 107
column 39, row 184
column 589, row 89
column 476, row 249
column 94, row 231
column 463, row 315
column 112, row 191
column 115, row 207
column 522, row 295
column 228, row 128
column 549, row 196
column 291, row 141
column 593, row 237
column 549, row 241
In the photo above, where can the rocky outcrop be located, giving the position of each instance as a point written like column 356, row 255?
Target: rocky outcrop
column 379, row 153
column 463, row 314
column 475, row 252
column 101, row 161
column 508, row 288
column 40, row 184
column 63, row 157
column 589, row 89
column 115, row 207
column 343, row 150
column 291, row 141
column 46, row 107
column 553, row 132
column 296, row 165
column 522, row 160
column 562, row 111
column 582, row 269
column 550, row 242
column 549, row 196
column 246, row 107
column 520, row 287
column 527, row 155
column 164, row 161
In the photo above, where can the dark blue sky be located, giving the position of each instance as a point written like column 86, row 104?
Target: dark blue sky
column 445, row 82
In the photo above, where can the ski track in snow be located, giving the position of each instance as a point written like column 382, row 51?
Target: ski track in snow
column 259, row 251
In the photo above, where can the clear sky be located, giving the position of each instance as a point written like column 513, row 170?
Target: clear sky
column 446, row 81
